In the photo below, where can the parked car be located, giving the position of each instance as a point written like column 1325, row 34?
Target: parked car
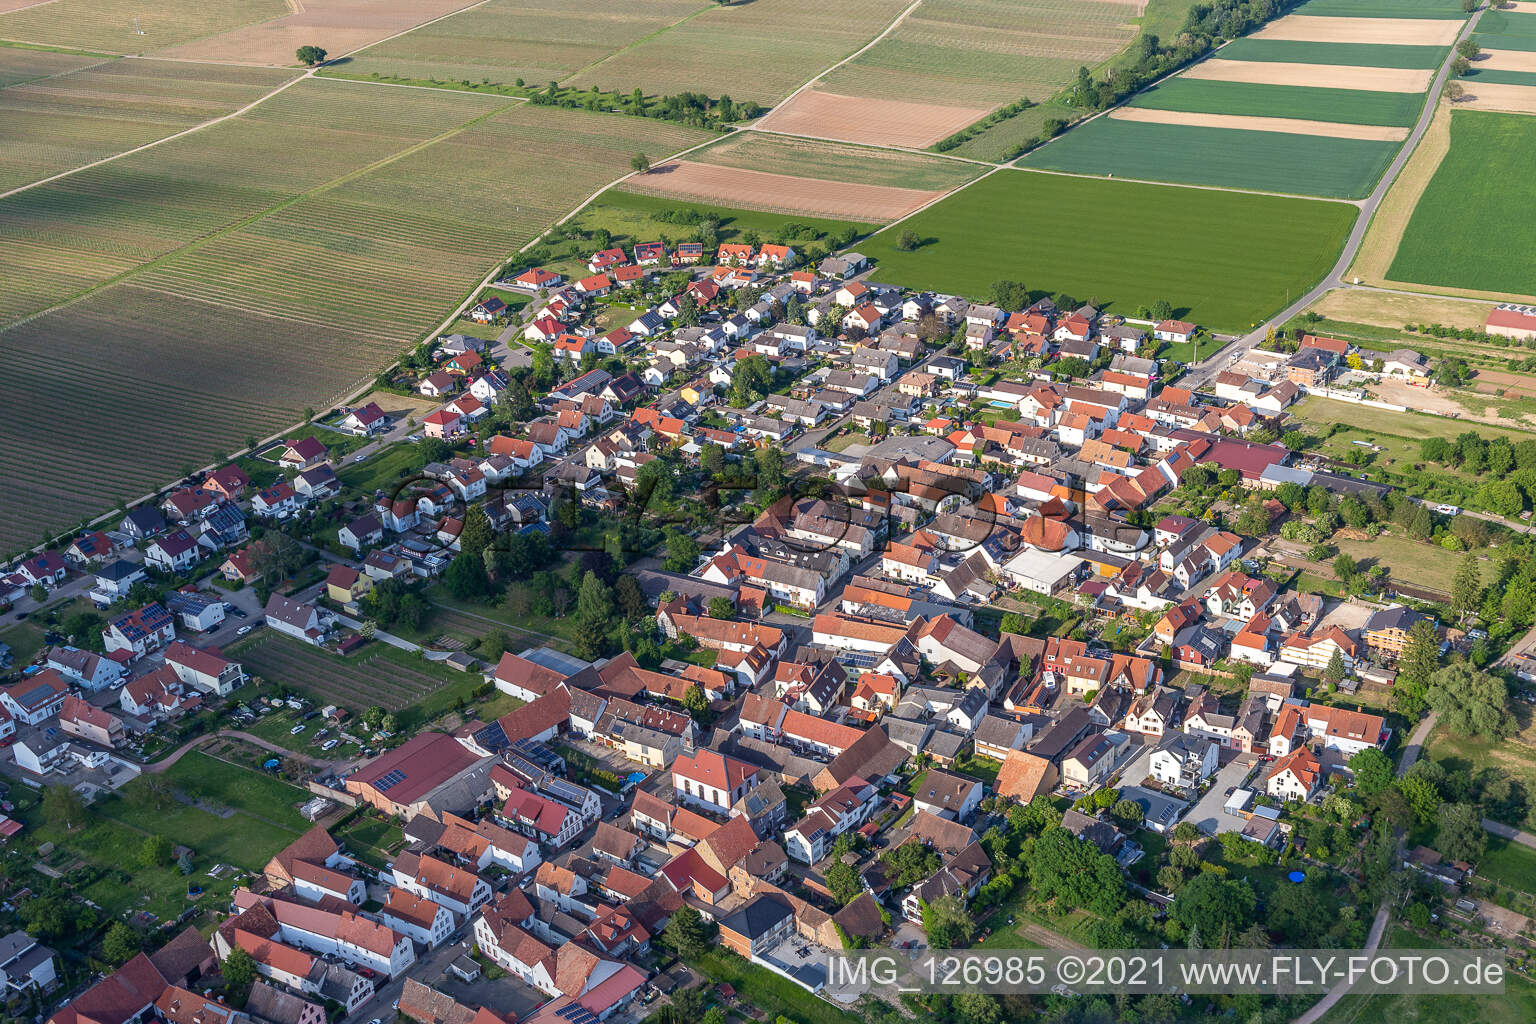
column 242, row 631
column 295, row 730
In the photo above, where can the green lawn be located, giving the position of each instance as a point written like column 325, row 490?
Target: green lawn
column 1408, row 560
column 1473, row 227
column 1516, row 1006
column 1374, row 55
column 1410, row 425
column 1509, row 864
column 1224, row 157
column 1515, row 756
column 1132, row 244
column 382, row 470
column 1253, row 99
column 761, row 989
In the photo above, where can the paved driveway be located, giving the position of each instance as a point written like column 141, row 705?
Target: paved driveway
column 1207, row 815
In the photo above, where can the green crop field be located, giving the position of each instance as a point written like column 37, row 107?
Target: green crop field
column 1132, row 244
column 1507, row 30
column 535, row 40
column 1348, row 106
column 986, row 53
column 131, row 26
column 757, row 51
column 1230, row 158
column 1473, row 227
column 74, row 118
column 1372, row 55
column 1383, row 9
column 1526, row 78
column 835, row 161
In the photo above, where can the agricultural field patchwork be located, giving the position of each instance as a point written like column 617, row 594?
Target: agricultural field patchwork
column 18, row 64
column 536, row 40
column 1197, row 155
column 1135, row 244
column 305, row 274
column 132, row 26
column 56, row 121
column 337, row 26
column 953, row 61
column 1314, row 103
column 1472, row 227
column 815, row 159
column 780, row 193
column 759, row 51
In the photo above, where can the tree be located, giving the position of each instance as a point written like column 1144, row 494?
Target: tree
column 630, row 598
column 1454, row 90
column 1214, row 907
column 843, row 883
column 239, row 968
column 687, row 933
column 682, row 552
column 1467, row 587
column 1471, row 703
column 640, row 163
column 721, row 608
column 751, row 380
column 466, row 577
column 63, row 804
column 1010, row 296
column 947, row 923
column 908, row 240
column 1299, row 912
column 310, row 55
column 1344, row 566
column 1127, row 814
column 977, row 1008
column 155, row 852
column 1372, row 770
column 1460, row 835
column 1420, row 658
column 1421, row 796
column 1334, row 673
column 121, row 943
column 1074, row 873
column 712, row 458
column 695, row 701
column 1460, row 66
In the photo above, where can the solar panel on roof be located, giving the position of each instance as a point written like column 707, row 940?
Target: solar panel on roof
column 577, row 1014
column 391, row 778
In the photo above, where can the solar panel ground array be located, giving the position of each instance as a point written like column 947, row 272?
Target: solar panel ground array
column 56, row 122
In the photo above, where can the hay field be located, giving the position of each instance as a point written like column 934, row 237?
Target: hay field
column 780, row 193
column 1390, row 30
column 1484, row 93
column 1342, row 106
column 830, row 115
column 64, row 120
column 758, row 51
column 965, row 58
column 1472, row 228
column 337, row 26
column 1331, row 76
column 1133, row 244
column 755, row 151
column 535, row 40
column 108, row 25
column 1191, row 154
column 73, row 234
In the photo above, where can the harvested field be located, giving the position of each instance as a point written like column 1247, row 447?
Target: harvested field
column 337, row 26
column 1340, row 106
column 1389, row 309
column 1328, row 76
column 65, row 120
column 1196, row 155
column 1506, row 60
column 1515, row 99
column 7, row 6
column 778, row 154
column 758, row 51
column 780, row 193
column 1358, row 54
column 1472, row 227
column 826, row 115
column 109, row 25
column 1132, row 244
column 985, row 53
column 1288, row 125
column 536, row 40
column 1393, row 31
